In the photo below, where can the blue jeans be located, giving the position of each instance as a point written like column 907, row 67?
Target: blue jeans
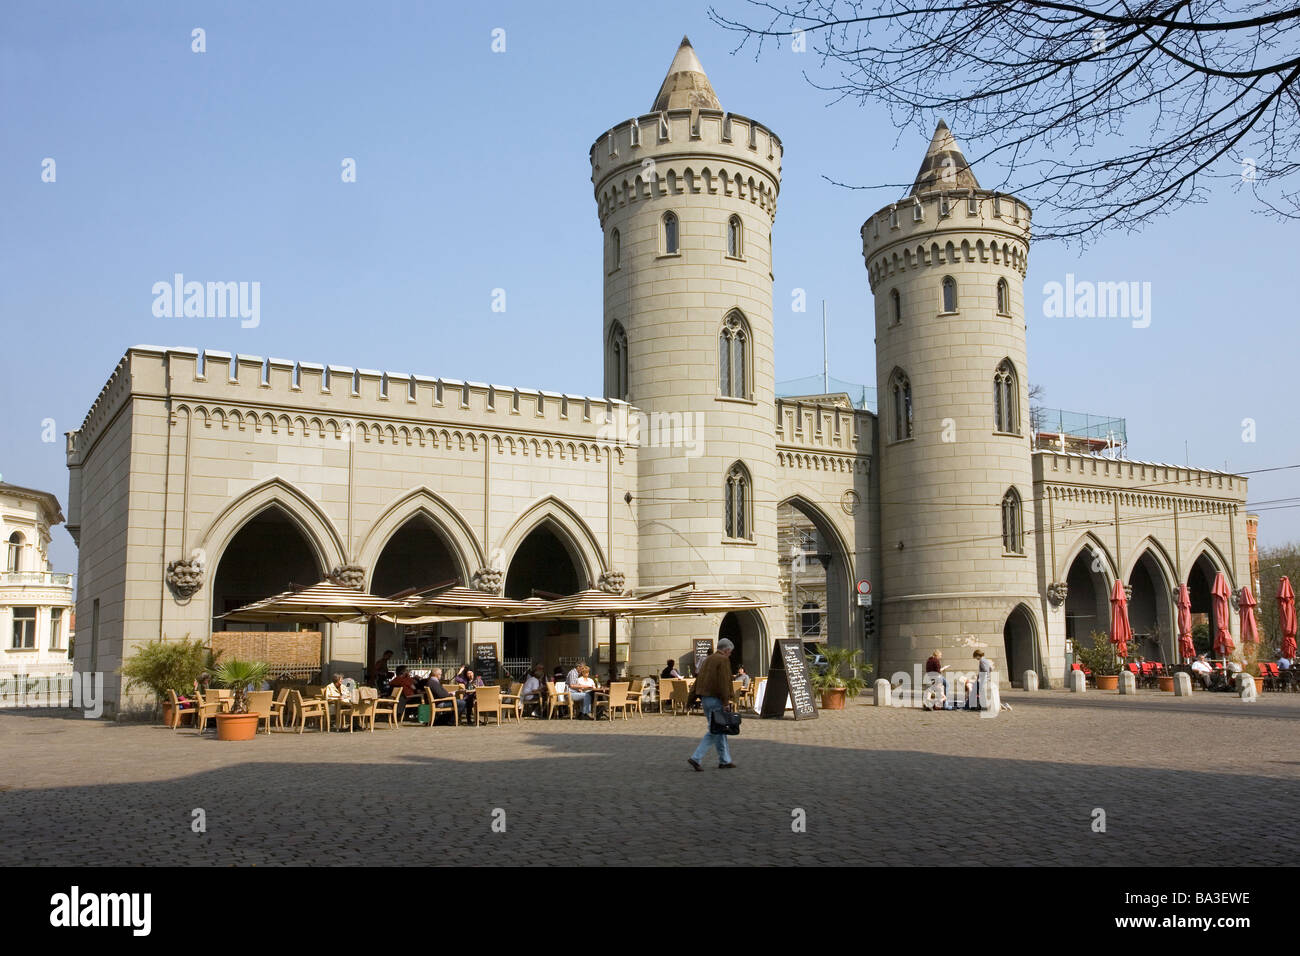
column 582, row 701
column 716, row 740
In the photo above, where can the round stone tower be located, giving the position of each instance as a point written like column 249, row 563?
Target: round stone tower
column 686, row 196
column 958, row 546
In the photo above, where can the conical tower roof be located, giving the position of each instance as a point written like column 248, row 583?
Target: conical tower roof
column 944, row 166
column 686, row 87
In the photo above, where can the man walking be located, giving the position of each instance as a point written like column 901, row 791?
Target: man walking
column 713, row 687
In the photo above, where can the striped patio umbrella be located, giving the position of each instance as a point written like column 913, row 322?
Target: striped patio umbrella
column 596, row 603
column 1286, row 617
column 1249, row 630
column 1186, row 649
column 455, row 603
column 325, row 601
column 1219, row 598
column 1120, row 630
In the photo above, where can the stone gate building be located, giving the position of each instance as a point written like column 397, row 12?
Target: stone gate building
column 201, row 481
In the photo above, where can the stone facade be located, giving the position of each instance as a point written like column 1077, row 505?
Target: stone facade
column 201, row 480
column 36, row 610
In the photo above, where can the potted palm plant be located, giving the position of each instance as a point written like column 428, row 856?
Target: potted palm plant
column 827, row 679
column 1100, row 660
column 164, row 665
column 239, row 676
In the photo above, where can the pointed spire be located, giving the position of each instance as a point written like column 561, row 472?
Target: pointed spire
column 944, row 166
column 686, row 86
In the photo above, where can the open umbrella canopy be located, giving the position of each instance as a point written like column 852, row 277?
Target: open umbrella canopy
column 1286, row 617
column 325, row 601
column 1120, row 630
column 1186, row 649
column 706, row 602
column 455, row 603
column 1249, row 630
column 1219, row 598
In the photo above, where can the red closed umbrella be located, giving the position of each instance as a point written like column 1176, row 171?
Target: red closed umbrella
column 1120, row 630
column 1249, row 630
column 1186, row 649
column 1286, row 617
column 1219, row 598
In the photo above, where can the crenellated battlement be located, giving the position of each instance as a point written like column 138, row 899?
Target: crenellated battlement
column 1145, row 482
column 227, row 388
column 686, row 151
column 968, row 225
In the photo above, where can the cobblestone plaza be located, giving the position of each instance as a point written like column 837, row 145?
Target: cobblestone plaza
column 1182, row 781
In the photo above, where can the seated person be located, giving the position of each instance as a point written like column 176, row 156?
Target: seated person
column 743, row 678
column 441, row 693
column 1284, row 663
column 670, row 671
column 582, row 691
column 335, row 691
column 534, row 689
column 1202, row 671
column 409, row 698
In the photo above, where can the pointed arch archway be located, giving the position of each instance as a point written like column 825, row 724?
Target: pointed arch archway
column 1089, row 574
column 1019, row 638
column 424, row 503
column 1150, row 576
column 1207, row 562
column 815, row 573
column 267, row 554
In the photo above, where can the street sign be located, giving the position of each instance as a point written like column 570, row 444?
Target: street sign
column 864, row 600
column 864, row 586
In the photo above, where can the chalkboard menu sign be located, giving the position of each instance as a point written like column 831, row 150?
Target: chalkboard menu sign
column 703, row 648
column 788, row 675
column 485, row 661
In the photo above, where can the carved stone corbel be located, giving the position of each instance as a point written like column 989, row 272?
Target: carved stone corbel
column 488, row 580
column 349, row 576
column 611, row 582
column 1057, row 592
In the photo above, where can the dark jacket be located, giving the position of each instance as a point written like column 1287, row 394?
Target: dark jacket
column 714, row 679
column 439, row 692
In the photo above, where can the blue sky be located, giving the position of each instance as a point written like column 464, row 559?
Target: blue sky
column 472, row 175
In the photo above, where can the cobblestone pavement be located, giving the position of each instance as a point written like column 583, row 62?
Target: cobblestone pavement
column 877, row 785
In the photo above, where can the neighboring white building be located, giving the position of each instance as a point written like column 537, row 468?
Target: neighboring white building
column 201, row 481
column 36, row 609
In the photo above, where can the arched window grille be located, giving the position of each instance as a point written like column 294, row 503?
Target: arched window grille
column 1005, row 393
column 618, row 386
column 670, row 233
column 949, row 294
column 736, row 495
column 1013, row 532
column 901, row 387
column 733, row 357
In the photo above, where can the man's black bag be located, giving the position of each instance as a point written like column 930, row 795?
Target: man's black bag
column 724, row 722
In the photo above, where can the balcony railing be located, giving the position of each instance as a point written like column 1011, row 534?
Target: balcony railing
column 47, row 578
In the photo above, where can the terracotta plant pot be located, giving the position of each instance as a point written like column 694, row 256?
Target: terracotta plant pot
column 186, row 716
column 236, row 726
column 1166, row 683
column 833, row 698
column 1107, row 681
column 1259, row 685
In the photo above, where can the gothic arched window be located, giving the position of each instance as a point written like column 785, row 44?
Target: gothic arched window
column 617, row 362
column 670, row 234
column 615, row 250
column 896, row 302
column 1004, row 297
column 901, row 388
column 735, row 232
column 1013, row 532
column 733, row 356
column 736, row 500
column 949, row 294
column 1006, row 416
